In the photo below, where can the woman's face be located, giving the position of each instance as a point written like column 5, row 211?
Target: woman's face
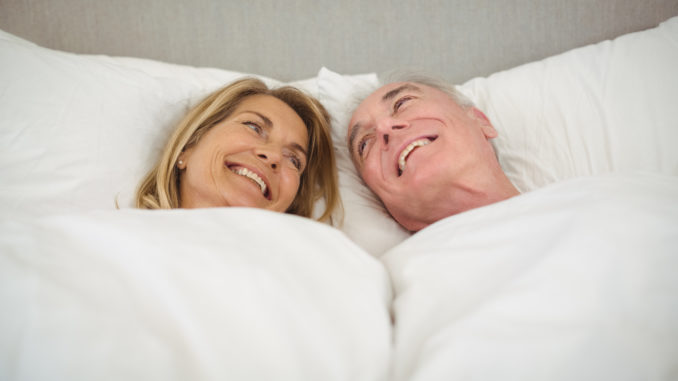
column 253, row 158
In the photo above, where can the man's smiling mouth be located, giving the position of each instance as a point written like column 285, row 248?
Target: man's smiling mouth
column 402, row 158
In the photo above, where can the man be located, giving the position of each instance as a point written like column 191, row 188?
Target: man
column 425, row 151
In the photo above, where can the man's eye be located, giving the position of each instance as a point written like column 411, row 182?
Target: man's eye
column 254, row 127
column 400, row 102
column 362, row 145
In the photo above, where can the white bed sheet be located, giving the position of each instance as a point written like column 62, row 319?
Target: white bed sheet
column 575, row 281
column 214, row 294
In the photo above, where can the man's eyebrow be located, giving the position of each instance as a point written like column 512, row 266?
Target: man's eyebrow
column 393, row 93
column 388, row 96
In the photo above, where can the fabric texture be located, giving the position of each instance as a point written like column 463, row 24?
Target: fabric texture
column 593, row 110
column 180, row 295
column 79, row 132
column 456, row 40
column 572, row 281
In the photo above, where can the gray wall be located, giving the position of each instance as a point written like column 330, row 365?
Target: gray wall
column 288, row 40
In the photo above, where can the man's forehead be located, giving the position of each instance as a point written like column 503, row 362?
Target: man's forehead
column 397, row 88
column 380, row 96
column 390, row 91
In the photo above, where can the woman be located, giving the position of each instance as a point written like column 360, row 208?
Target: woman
column 248, row 145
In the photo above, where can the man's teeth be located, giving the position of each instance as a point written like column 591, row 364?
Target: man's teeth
column 408, row 149
column 253, row 176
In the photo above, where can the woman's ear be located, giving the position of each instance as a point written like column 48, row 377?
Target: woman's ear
column 485, row 124
column 181, row 161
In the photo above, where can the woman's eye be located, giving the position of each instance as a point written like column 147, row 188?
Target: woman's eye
column 254, row 127
column 400, row 102
column 295, row 161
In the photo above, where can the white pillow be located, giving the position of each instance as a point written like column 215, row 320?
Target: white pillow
column 189, row 295
column 77, row 131
column 601, row 108
column 365, row 220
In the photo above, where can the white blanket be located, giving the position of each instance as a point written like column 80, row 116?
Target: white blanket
column 573, row 281
column 217, row 294
column 576, row 281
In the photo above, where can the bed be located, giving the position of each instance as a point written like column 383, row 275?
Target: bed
column 573, row 279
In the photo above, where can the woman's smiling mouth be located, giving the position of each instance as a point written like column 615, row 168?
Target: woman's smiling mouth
column 242, row 171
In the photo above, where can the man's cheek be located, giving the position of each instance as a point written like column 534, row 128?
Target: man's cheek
column 372, row 178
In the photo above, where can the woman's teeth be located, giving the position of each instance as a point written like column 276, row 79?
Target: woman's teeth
column 410, row 147
column 253, row 176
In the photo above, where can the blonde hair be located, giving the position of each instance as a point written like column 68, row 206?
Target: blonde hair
column 160, row 187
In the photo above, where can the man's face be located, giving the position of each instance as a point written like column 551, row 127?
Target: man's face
column 420, row 152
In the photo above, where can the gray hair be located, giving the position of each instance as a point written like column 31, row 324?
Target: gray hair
column 426, row 80
column 407, row 76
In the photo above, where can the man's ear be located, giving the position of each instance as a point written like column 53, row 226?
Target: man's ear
column 485, row 124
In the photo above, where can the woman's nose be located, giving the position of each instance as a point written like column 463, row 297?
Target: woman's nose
column 269, row 156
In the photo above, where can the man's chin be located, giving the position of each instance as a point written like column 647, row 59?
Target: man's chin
column 409, row 222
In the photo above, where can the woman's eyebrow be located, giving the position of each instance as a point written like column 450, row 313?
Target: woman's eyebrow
column 298, row 147
column 266, row 120
column 269, row 124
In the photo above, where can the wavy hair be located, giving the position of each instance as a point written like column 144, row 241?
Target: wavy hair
column 160, row 188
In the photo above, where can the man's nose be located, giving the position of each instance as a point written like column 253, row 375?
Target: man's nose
column 388, row 127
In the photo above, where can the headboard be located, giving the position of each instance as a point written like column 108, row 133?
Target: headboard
column 455, row 40
column 571, row 279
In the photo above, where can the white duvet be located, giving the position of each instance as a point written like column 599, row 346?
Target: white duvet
column 215, row 294
column 573, row 281
column 576, row 281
